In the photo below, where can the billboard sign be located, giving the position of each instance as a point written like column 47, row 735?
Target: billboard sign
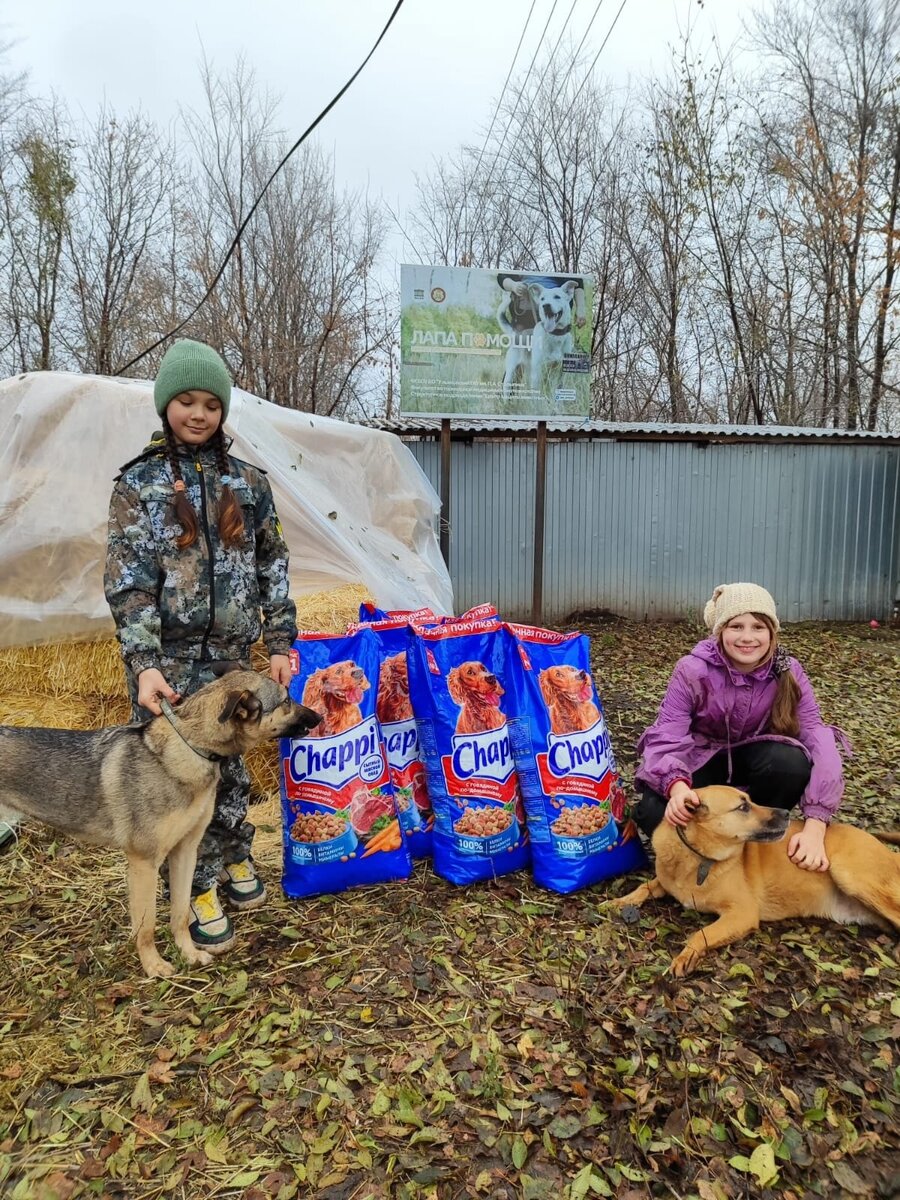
column 510, row 344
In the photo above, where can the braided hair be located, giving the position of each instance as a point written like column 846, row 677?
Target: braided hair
column 783, row 719
column 231, row 520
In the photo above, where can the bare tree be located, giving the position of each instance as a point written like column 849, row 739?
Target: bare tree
column 117, row 232
column 35, row 192
column 296, row 310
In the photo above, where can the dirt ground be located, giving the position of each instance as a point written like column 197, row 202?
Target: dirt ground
column 499, row 1041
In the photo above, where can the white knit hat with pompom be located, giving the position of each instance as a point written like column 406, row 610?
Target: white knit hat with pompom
column 729, row 600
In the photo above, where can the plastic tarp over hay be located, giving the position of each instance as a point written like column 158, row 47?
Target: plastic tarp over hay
column 355, row 505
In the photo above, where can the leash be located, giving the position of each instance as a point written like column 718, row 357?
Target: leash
column 706, row 864
column 169, row 713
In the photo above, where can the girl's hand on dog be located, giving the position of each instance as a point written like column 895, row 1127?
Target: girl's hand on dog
column 806, row 849
column 280, row 669
column 151, row 687
column 683, row 802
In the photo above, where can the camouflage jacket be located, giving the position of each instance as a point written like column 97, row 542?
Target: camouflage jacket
column 205, row 602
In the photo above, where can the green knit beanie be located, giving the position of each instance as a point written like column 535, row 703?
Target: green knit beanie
column 191, row 366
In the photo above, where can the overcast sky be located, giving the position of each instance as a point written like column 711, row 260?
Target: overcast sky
column 431, row 85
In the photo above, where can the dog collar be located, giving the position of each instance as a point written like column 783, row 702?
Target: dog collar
column 706, row 864
column 560, row 332
column 169, row 713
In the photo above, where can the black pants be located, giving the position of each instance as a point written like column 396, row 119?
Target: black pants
column 773, row 774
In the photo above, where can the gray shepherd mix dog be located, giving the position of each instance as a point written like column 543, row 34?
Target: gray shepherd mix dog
column 148, row 789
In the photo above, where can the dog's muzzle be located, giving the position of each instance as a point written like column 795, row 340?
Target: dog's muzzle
column 303, row 720
column 774, row 828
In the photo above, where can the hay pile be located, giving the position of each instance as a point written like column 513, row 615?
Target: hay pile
column 81, row 685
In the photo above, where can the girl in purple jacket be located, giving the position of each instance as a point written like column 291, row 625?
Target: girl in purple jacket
column 740, row 710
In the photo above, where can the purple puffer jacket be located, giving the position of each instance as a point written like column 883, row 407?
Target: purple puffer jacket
column 709, row 706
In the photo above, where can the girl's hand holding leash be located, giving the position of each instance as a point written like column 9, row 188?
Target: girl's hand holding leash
column 806, row 849
column 152, row 687
column 280, row 669
column 683, row 801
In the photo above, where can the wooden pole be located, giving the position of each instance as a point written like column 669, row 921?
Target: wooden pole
column 445, row 490
column 540, row 481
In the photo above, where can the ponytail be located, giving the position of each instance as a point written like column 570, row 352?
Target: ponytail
column 784, row 711
column 231, row 519
column 783, row 719
column 184, row 510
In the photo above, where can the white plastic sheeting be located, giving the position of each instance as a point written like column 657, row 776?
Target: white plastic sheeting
column 354, row 503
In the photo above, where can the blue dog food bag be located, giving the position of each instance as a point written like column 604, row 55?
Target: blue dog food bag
column 393, row 707
column 340, row 821
column 457, row 681
column 578, row 817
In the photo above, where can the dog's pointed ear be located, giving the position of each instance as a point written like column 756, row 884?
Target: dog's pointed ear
column 224, row 667
column 569, row 287
column 547, row 688
column 455, row 686
column 240, row 706
column 535, row 290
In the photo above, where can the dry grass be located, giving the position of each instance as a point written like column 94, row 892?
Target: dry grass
column 423, row 1042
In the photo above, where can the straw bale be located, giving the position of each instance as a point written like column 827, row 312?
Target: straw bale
column 81, row 685
column 329, row 611
column 62, row 668
column 69, row 711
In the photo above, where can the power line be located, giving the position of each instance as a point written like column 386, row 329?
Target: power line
column 599, row 52
column 570, row 103
column 519, row 97
column 586, row 32
column 494, row 117
column 237, row 237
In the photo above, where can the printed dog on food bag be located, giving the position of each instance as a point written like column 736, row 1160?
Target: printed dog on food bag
column 727, row 861
column 477, row 692
column 147, row 790
column 567, row 693
column 393, row 702
column 335, row 691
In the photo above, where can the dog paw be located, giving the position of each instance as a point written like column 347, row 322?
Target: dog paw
column 685, row 963
column 200, row 958
column 159, row 969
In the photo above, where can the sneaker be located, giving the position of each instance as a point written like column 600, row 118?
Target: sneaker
column 241, row 885
column 8, row 836
column 211, row 928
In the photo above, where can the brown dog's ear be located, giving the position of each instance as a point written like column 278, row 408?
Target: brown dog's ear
column 455, row 686
column 547, row 688
column 240, row 706
column 224, row 667
column 312, row 693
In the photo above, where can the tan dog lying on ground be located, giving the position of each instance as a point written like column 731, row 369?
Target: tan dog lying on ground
column 727, row 861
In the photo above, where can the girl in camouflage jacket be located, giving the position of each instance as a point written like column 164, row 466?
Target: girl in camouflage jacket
column 196, row 570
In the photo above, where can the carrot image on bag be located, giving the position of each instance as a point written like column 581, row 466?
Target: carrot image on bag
column 581, row 831
column 456, row 675
column 340, row 817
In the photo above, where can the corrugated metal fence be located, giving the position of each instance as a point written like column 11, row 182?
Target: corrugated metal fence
column 647, row 528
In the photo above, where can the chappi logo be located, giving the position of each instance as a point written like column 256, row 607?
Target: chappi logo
column 336, row 760
column 483, row 755
column 401, row 742
column 585, row 753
